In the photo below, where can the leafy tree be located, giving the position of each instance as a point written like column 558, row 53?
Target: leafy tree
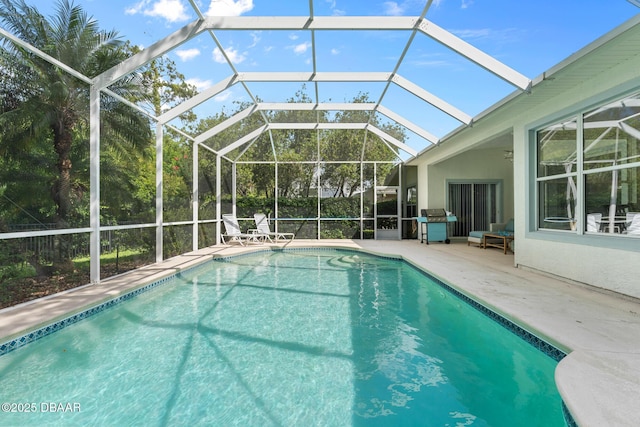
column 166, row 87
column 128, row 176
column 53, row 107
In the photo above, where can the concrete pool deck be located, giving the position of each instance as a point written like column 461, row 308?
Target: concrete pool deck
column 599, row 379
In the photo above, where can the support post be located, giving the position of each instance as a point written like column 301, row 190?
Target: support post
column 94, row 184
column 159, row 191
column 195, row 195
column 218, row 196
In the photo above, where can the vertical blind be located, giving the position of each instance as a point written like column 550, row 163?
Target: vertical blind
column 475, row 206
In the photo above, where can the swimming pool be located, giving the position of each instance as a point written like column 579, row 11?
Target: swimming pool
column 305, row 337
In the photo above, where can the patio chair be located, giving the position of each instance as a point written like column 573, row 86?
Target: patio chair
column 233, row 232
column 477, row 236
column 634, row 226
column 263, row 229
column 593, row 222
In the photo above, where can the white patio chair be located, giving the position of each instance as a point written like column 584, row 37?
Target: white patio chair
column 634, row 226
column 593, row 222
column 263, row 229
column 233, row 232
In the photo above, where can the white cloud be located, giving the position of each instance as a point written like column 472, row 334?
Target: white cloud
column 472, row 34
column 136, row 8
column 301, row 48
column 201, row 85
column 430, row 61
column 334, row 51
column 255, row 36
column 506, row 35
column 171, row 10
column 229, row 7
column 223, row 96
column 293, row 37
column 233, row 55
column 392, row 8
column 187, row 54
column 334, row 10
column 466, row 4
column 435, row 63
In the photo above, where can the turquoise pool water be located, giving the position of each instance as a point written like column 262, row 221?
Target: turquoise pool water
column 313, row 338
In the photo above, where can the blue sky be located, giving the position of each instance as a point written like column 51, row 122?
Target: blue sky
column 528, row 36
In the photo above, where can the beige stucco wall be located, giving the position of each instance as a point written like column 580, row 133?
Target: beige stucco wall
column 607, row 262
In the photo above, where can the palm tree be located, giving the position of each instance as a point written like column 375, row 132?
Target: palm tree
column 52, row 105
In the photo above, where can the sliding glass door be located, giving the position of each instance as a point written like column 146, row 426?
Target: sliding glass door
column 474, row 203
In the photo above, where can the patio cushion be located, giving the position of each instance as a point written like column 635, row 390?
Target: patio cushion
column 477, row 234
column 476, row 237
column 509, row 228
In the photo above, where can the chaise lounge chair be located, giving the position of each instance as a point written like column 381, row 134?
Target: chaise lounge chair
column 233, row 232
column 263, row 229
column 477, row 236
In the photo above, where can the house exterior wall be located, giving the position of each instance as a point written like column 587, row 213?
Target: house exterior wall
column 470, row 166
column 607, row 262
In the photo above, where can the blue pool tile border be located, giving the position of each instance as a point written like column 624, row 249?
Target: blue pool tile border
column 532, row 339
column 537, row 342
column 23, row 340
column 42, row 332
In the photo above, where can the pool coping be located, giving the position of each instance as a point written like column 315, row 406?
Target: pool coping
column 587, row 378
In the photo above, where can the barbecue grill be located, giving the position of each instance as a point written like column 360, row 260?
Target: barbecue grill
column 433, row 225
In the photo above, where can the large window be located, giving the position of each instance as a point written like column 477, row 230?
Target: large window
column 589, row 168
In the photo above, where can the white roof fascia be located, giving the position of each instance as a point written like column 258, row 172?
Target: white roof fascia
column 240, row 142
column 197, row 100
column 474, row 54
column 157, row 49
column 313, row 77
column 409, row 125
column 309, row 106
column 226, row 124
column 432, row 99
column 310, row 23
column 401, row 145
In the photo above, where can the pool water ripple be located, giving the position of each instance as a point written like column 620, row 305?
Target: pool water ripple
column 329, row 338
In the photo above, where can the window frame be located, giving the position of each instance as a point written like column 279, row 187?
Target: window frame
column 581, row 173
